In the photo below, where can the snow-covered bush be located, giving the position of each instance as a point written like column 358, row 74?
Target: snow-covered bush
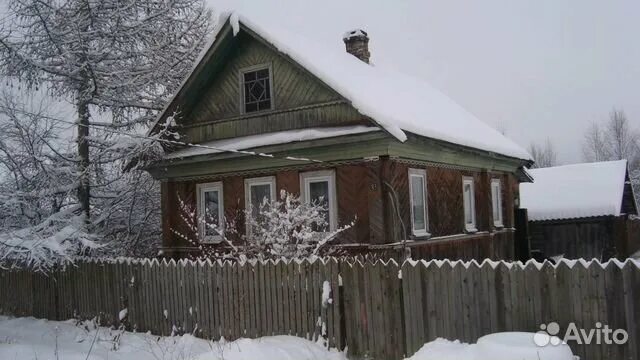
column 289, row 227
column 56, row 240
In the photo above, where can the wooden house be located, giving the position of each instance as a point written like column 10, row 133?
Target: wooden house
column 582, row 211
column 269, row 110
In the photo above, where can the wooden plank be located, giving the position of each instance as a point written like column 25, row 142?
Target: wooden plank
column 261, row 300
column 304, row 311
column 225, row 309
column 373, row 304
column 578, row 300
column 338, row 315
column 209, row 300
column 357, row 319
column 276, row 293
column 269, row 296
column 284, row 310
column 407, row 301
column 243, row 298
column 235, row 301
column 254, row 303
column 467, row 299
column 206, row 302
column 198, row 324
column 632, row 312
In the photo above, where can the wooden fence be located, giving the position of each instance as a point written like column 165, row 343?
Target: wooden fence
column 380, row 310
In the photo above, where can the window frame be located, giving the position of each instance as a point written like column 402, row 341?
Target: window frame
column 201, row 189
column 253, row 68
column 496, row 199
column 306, row 178
column 469, row 227
column 248, row 183
column 421, row 173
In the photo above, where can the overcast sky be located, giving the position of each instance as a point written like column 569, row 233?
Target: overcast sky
column 533, row 69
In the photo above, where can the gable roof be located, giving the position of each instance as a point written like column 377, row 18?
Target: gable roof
column 396, row 102
column 576, row 191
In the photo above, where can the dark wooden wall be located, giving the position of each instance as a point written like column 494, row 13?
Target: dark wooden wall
column 579, row 238
column 444, row 198
column 601, row 238
column 376, row 195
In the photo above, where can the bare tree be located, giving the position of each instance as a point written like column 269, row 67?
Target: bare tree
column 544, row 155
column 595, row 146
column 614, row 140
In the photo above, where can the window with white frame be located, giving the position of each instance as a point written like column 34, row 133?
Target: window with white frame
column 210, row 211
column 256, row 88
column 496, row 202
column 418, row 199
column 468, row 197
column 319, row 187
column 257, row 191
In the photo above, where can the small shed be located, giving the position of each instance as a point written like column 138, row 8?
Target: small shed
column 582, row 211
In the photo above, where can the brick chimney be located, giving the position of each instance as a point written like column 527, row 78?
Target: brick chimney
column 357, row 43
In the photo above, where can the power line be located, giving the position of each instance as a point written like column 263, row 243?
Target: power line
column 166, row 141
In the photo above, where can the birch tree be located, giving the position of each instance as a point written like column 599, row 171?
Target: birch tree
column 119, row 57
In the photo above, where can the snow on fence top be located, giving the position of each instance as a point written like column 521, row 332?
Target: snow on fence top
column 351, row 261
column 395, row 101
column 575, row 191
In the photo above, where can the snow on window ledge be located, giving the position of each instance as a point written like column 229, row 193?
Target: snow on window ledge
column 469, row 229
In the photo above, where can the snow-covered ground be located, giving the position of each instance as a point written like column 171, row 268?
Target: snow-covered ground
column 34, row 339
column 500, row 346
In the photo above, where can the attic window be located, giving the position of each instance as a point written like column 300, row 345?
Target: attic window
column 256, row 89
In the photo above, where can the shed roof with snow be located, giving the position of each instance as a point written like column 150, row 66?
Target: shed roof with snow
column 578, row 191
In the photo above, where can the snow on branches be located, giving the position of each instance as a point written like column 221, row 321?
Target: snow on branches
column 56, row 240
column 119, row 55
column 285, row 227
column 202, row 231
column 291, row 228
column 116, row 62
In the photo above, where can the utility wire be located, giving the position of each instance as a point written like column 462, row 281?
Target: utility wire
column 166, row 141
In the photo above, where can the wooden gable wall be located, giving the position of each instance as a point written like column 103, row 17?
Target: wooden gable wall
column 300, row 99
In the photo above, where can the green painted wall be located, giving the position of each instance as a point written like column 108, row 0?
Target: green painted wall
column 300, row 100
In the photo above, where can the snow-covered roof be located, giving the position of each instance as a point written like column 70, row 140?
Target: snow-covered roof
column 575, row 191
column 395, row 101
column 280, row 137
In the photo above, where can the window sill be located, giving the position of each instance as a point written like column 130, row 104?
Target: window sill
column 470, row 229
column 212, row 240
column 421, row 235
